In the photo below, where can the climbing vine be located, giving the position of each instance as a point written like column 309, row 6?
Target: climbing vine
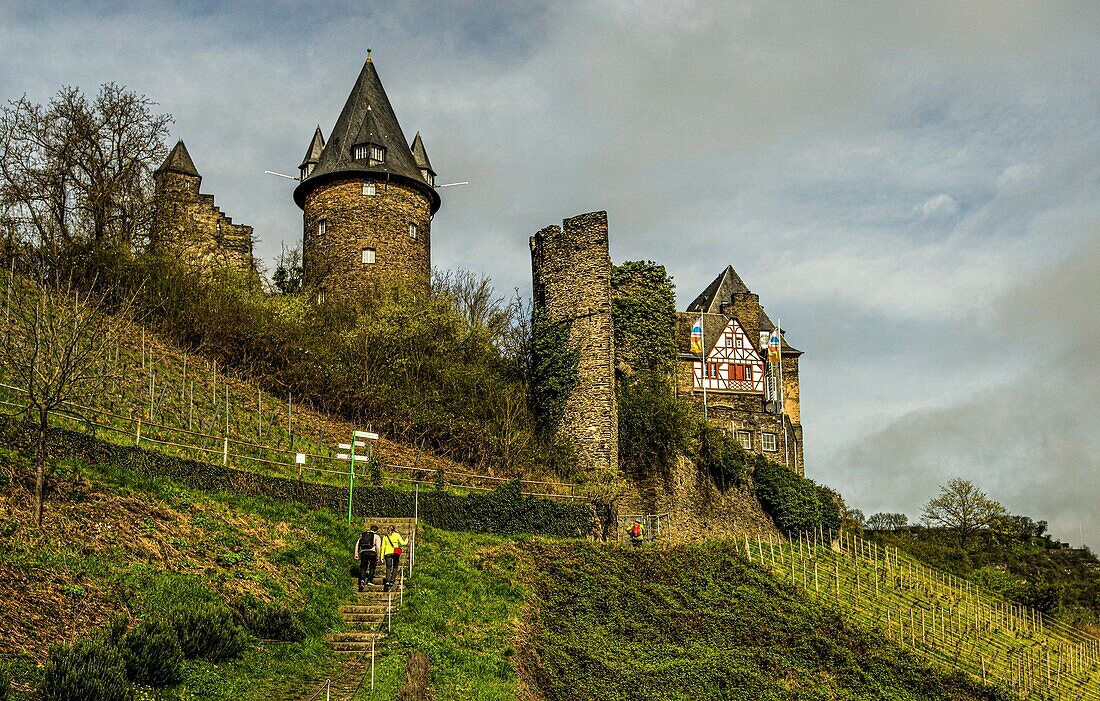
column 643, row 307
column 554, row 363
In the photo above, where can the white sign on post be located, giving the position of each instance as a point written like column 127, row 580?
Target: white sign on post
column 344, row 446
column 300, row 458
column 366, row 434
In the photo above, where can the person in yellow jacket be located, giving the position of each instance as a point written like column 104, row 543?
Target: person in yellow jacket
column 392, row 547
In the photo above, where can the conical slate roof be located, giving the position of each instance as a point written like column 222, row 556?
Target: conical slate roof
column 367, row 118
column 179, row 161
column 721, row 290
column 420, row 155
column 316, row 146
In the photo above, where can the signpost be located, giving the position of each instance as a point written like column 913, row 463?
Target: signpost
column 351, row 457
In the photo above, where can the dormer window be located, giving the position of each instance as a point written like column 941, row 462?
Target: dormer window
column 372, row 153
column 428, row 177
column 306, row 170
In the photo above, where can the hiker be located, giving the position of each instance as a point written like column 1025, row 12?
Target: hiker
column 366, row 552
column 392, row 545
column 637, row 535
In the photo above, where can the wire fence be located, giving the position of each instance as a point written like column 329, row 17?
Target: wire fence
column 327, row 467
column 938, row 615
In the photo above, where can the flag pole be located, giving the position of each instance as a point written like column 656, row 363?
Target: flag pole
column 782, row 408
column 703, row 354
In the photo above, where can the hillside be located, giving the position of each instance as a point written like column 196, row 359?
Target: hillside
column 548, row 621
column 114, row 545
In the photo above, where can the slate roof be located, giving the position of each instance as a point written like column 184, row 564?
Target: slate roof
column 316, row 146
column 420, row 154
column 179, row 161
column 367, row 117
column 721, row 289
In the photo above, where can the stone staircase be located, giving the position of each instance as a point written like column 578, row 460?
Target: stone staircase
column 364, row 620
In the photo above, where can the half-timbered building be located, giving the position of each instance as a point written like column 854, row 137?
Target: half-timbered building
column 727, row 371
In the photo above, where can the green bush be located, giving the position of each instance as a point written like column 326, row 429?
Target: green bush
column 88, row 670
column 795, row 503
column 5, row 683
column 153, row 654
column 270, row 621
column 207, row 631
column 554, row 362
column 654, row 425
column 722, row 457
column 643, row 309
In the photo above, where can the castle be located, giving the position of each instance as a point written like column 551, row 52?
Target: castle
column 368, row 197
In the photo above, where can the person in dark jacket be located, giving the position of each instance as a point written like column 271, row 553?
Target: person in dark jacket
column 366, row 553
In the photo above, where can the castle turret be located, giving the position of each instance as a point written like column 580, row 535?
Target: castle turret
column 367, row 202
column 420, row 155
column 571, row 280
column 188, row 226
column 313, row 154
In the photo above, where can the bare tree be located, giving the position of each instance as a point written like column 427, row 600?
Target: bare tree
column 962, row 509
column 887, row 521
column 53, row 348
column 78, row 171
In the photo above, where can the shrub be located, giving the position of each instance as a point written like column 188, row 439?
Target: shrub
column 554, row 362
column 207, row 631
column 654, row 425
column 794, row 502
column 5, row 684
column 722, row 457
column 88, row 670
column 153, row 654
column 270, row 621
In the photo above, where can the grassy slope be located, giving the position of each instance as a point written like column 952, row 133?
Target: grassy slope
column 128, row 546
column 611, row 623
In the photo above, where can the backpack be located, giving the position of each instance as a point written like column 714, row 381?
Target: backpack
column 364, row 539
column 636, row 530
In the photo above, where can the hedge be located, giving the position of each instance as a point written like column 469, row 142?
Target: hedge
column 505, row 511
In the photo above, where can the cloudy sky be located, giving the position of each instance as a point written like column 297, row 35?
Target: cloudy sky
column 913, row 188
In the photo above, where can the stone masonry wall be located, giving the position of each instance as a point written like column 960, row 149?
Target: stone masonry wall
column 188, row 224
column 571, row 274
column 333, row 261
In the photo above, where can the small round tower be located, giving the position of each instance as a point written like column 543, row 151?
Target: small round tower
column 367, row 198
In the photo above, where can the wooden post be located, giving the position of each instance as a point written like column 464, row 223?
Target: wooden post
column 225, row 452
column 137, row 441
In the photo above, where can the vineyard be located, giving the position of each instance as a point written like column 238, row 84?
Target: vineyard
column 159, row 397
column 939, row 616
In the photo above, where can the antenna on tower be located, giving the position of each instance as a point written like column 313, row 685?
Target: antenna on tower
column 464, row 182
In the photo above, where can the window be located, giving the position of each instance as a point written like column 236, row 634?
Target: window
column 412, row 231
column 306, row 169
column 321, row 296
column 322, row 227
column 428, row 177
column 745, row 439
column 740, row 373
column 738, row 341
column 369, row 189
column 368, row 256
column 359, row 152
column 768, row 442
column 377, row 154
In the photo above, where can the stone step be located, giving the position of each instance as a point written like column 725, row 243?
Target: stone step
column 363, row 618
column 364, row 608
column 356, row 647
column 353, row 636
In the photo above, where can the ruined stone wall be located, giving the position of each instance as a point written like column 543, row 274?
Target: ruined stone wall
column 354, row 221
column 571, row 276
column 188, row 225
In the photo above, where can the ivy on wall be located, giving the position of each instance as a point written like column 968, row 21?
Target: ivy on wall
column 554, row 363
column 643, row 309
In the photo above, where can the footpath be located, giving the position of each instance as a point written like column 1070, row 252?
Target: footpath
column 366, row 622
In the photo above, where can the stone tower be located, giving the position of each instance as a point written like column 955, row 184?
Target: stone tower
column 187, row 224
column 368, row 198
column 571, row 280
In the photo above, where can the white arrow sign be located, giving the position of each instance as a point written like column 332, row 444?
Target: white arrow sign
column 358, row 458
column 366, row 434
